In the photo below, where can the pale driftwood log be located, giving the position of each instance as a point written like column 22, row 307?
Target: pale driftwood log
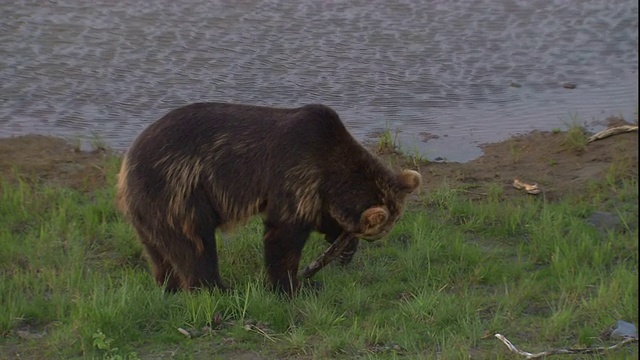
column 328, row 255
column 528, row 188
column 569, row 351
column 612, row 131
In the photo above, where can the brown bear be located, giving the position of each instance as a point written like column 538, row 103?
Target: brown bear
column 208, row 166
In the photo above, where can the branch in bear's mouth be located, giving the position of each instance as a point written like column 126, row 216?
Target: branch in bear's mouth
column 328, row 255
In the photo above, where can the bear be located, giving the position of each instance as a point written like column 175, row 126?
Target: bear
column 213, row 165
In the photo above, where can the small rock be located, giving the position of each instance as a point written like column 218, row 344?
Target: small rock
column 623, row 330
column 217, row 319
column 569, row 85
column 28, row 335
column 515, row 84
column 228, row 341
column 603, row 220
column 426, row 136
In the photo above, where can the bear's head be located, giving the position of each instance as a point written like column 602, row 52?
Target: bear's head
column 376, row 221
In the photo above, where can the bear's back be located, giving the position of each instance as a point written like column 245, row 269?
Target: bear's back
column 244, row 154
column 220, row 127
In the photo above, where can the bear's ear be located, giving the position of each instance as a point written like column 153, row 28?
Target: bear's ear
column 409, row 180
column 373, row 217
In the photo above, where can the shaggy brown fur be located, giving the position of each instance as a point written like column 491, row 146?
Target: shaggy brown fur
column 213, row 165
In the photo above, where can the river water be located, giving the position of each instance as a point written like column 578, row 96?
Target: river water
column 446, row 76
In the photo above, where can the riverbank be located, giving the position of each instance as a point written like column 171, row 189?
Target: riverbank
column 560, row 162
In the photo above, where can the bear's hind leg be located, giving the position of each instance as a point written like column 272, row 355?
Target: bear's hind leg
column 194, row 261
column 194, row 255
column 163, row 271
column 283, row 245
column 205, row 269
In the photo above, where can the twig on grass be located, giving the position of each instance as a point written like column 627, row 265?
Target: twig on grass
column 254, row 328
column 596, row 350
column 473, row 192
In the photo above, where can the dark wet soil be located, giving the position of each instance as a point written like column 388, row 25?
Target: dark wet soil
column 52, row 160
column 558, row 165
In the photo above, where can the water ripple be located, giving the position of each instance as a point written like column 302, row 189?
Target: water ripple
column 470, row 71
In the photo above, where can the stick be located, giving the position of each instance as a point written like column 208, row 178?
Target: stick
column 328, row 255
column 613, row 131
column 597, row 350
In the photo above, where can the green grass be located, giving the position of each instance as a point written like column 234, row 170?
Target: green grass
column 452, row 272
column 576, row 138
column 515, row 151
column 387, row 142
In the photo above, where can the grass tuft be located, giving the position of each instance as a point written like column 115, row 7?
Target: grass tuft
column 387, row 142
column 576, row 137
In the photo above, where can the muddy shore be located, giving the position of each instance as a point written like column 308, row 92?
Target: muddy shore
column 548, row 159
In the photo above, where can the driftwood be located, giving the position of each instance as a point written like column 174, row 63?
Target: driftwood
column 612, row 131
column 568, row 351
column 328, row 255
column 528, row 188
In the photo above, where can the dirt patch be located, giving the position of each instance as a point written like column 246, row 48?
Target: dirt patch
column 557, row 165
column 544, row 158
column 52, row 160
